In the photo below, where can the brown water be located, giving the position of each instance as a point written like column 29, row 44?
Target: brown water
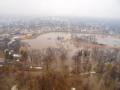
column 50, row 40
column 46, row 40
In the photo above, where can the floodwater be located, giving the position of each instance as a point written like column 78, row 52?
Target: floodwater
column 51, row 40
column 111, row 41
column 106, row 40
column 47, row 40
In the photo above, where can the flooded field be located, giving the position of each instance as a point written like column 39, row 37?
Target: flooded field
column 110, row 41
column 47, row 40
column 55, row 39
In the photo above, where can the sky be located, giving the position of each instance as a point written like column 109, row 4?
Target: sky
column 79, row 8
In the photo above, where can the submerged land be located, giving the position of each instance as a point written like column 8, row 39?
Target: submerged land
column 59, row 53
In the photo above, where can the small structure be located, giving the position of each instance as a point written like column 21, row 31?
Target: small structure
column 17, row 56
column 10, row 55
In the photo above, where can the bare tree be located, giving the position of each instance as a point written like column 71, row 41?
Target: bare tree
column 77, row 62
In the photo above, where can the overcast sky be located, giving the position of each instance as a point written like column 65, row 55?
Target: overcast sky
column 86, row 8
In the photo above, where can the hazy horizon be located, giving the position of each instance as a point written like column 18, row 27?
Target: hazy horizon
column 71, row 8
